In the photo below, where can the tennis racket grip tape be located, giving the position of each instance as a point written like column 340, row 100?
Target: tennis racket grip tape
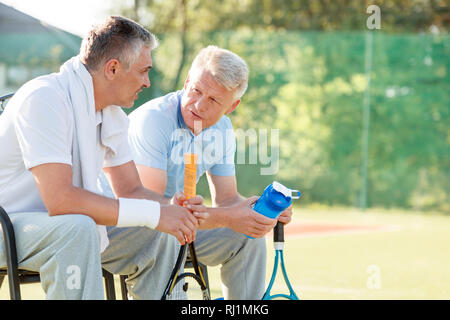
column 190, row 174
column 278, row 232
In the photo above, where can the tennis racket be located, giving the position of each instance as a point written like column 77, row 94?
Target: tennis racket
column 278, row 241
column 179, row 284
column 186, row 285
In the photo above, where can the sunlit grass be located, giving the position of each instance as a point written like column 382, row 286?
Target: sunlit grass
column 408, row 259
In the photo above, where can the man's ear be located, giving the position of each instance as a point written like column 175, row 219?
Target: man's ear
column 233, row 106
column 111, row 69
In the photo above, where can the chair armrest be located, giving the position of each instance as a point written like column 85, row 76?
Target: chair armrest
column 10, row 243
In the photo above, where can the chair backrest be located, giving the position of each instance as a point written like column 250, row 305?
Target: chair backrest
column 3, row 100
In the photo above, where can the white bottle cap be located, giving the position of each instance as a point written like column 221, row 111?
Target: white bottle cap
column 285, row 191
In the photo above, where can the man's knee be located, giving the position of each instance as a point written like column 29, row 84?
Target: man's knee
column 257, row 245
column 169, row 240
column 78, row 226
column 81, row 222
column 252, row 244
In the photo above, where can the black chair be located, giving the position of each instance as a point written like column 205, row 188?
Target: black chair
column 3, row 101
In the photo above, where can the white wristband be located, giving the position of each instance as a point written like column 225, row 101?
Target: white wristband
column 138, row 213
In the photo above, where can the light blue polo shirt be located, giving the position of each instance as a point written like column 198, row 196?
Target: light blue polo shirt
column 159, row 137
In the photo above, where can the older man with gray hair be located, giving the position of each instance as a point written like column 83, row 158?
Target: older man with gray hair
column 194, row 120
column 56, row 134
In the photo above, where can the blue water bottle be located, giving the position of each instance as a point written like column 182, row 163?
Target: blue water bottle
column 275, row 199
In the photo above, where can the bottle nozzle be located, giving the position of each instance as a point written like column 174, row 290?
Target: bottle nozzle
column 294, row 194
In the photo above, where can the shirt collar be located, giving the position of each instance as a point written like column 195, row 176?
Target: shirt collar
column 181, row 123
column 98, row 117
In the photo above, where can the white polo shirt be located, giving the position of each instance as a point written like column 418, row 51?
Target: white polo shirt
column 36, row 128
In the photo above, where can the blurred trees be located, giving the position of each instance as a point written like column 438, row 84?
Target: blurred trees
column 309, row 84
column 325, row 15
column 203, row 16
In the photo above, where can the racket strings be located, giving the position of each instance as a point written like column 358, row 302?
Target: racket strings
column 187, row 286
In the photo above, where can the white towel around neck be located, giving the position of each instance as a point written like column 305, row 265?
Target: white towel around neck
column 79, row 85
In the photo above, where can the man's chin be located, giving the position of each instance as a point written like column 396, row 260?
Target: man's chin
column 196, row 126
column 128, row 105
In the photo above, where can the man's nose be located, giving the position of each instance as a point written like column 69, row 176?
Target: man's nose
column 146, row 82
column 200, row 105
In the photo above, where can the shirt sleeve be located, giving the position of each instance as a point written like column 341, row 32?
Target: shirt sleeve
column 44, row 129
column 149, row 138
column 226, row 167
column 123, row 154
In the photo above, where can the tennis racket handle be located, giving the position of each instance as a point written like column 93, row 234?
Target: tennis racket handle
column 278, row 232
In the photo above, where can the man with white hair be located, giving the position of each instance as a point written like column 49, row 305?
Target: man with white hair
column 194, row 120
column 56, row 134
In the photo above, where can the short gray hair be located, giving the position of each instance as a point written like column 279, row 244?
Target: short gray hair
column 226, row 67
column 117, row 38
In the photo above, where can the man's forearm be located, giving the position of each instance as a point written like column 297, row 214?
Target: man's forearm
column 74, row 200
column 220, row 213
column 218, row 218
column 103, row 210
column 144, row 193
column 228, row 201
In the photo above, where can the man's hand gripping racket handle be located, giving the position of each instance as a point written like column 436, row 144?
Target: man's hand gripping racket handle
column 190, row 175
